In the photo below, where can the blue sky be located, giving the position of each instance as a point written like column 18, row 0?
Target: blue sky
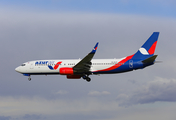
column 69, row 29
column 141, row 7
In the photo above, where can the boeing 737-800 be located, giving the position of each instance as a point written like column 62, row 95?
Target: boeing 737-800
column 82, row 68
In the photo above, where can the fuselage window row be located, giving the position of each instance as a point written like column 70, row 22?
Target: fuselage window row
column 71, row 64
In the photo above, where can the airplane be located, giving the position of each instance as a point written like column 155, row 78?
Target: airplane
column 82, row 68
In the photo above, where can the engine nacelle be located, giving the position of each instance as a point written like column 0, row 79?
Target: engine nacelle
column 73, row 76
column 66, row 71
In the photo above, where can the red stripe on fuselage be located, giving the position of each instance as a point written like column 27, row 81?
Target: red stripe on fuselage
column 117, row 65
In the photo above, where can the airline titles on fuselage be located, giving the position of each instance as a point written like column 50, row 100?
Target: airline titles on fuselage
column 44, row 63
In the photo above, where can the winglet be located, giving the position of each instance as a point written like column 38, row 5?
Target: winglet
column 95, row 48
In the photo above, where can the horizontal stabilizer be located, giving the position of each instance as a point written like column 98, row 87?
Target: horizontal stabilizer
column 150, row 59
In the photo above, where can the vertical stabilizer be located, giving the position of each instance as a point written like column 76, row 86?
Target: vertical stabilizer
column 148, row 48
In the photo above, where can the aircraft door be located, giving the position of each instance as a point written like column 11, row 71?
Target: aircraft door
column 31, row 66
column 131, row 63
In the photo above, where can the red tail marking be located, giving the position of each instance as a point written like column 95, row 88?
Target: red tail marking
column 152, row 49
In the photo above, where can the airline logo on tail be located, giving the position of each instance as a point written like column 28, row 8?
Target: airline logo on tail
column 143, row 51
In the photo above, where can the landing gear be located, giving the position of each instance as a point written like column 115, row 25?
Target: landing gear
column 29, row 78
column 85, row 77
column 88, row 79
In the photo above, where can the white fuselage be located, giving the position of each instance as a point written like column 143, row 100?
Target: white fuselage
column 42, row 66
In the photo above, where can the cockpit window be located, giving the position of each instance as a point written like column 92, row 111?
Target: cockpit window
column 23, row 64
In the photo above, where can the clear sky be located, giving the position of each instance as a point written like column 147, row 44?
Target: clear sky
column 142, row 7
column 69, row 29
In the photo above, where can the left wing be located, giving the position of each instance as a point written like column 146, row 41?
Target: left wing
column 84, row 65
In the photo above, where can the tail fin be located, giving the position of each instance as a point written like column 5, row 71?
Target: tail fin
column 148, row 48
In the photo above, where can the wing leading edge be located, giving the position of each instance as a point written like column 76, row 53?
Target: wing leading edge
column 84, row 65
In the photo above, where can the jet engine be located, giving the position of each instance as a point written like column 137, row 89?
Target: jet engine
column 66, row 71
column 73, row 76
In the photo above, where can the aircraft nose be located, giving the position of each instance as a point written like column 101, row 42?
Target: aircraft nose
column 17, row 69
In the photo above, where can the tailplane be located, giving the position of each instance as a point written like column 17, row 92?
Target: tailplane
column 150, row 59
column 147, row 50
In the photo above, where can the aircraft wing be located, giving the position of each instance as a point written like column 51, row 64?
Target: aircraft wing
column 84, row 65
